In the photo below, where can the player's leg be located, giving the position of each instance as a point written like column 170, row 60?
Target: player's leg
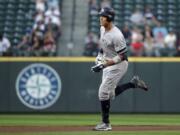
column 106, row 92
column 105, row 124
column 121, row 88
column 135, row 82
column 104, row 98
column 139, row 83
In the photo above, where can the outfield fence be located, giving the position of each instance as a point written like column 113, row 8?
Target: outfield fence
column 68, row 85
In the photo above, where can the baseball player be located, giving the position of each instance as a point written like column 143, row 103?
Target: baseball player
column 112, row 59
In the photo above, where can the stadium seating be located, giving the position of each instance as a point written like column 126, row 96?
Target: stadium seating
column 15, row 17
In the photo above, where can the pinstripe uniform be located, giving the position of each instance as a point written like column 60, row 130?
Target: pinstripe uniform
column 112, row 43
column 112, row 59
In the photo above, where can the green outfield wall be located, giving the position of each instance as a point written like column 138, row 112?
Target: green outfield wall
column 24, row 89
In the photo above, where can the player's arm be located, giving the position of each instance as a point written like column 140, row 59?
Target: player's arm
column 120, row 48
column 121, row 55
column 99, row 56
column 99, row 61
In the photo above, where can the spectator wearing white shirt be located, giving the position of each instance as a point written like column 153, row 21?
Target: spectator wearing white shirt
column 4, row 44
column 170, row 39
column 40, row 5
column 137, row 18
column 170, row 42
column 53, row 21
column 39, row 16
column 52, row 15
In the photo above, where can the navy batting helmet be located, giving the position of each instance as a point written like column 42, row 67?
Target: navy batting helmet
column 107, row 12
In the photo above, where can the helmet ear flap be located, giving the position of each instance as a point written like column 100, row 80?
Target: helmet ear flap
column 109, row 19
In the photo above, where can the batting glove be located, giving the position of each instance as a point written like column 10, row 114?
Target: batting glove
column 97, row 68
column 99, row 59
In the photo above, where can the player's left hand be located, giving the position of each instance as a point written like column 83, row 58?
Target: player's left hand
column 97, row 68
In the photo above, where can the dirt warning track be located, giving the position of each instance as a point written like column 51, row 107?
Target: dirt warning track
column 22, row 129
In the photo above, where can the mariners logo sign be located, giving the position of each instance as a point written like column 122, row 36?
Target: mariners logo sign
column 38, row 86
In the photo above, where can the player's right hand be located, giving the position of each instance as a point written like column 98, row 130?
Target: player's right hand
column 97, row 68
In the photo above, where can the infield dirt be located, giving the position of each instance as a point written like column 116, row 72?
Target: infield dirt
column 22, row 129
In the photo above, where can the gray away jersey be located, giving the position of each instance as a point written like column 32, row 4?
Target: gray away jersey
column 112, row 42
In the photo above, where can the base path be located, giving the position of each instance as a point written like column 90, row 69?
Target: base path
column 22, row 129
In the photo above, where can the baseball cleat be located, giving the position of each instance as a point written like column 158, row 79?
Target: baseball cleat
column 139, row 83
column 103, row 127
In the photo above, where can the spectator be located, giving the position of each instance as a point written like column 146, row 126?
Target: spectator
column 39, row 16
column 137, row 46
column 136, row 35
column 53, row 21
column 39, row 28
column 150, row 19
column 52, row 15
column 37, row 42
column 159, row 33
column 137, row 49
column 148, row 41
column 170, row 41
column 4, row 44
column 93, row 7
column 40, row 5
column 137, row 18
column 56, row 31
column 46, row 29
column 25, row 44
column 49, row 43
column 91, row 44
column 177, row 54
column 159, row 28
column 105, row 3
column 127, row 34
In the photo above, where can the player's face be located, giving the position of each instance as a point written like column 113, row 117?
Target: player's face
column 103, row 21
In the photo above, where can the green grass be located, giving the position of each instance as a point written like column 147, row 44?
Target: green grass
column 88, row 119
column 84, row 119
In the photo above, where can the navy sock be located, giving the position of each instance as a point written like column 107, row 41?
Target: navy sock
column 105, row 106
column 121, row 88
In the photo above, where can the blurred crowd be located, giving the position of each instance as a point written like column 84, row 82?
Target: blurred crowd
column 46, row 28
column 144, row 33
column 42, row 37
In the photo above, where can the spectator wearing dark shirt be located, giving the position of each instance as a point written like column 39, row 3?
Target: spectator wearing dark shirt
column 127, row 34
column 91, row 44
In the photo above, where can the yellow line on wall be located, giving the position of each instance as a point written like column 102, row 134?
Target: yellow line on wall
column 84, row 59
column 154, row 59
column 47, row 59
